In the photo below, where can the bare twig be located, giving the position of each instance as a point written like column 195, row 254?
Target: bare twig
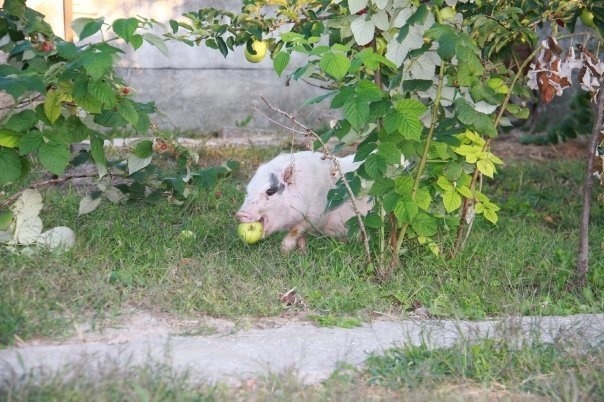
column 45, row 183
column 267, row 117
column 312, row 84
column 334, row 160
column 23, row 103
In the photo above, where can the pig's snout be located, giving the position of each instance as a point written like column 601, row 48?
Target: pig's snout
column 243, row 217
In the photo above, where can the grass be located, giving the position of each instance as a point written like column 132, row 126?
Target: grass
column 485, row 370
column 541, row 369
column 132, row 256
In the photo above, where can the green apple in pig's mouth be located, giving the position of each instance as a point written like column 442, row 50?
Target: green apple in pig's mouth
column 250, row 232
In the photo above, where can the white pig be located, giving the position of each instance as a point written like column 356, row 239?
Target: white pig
column 289, row 193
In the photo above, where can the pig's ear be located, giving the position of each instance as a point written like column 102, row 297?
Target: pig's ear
column 288, row 174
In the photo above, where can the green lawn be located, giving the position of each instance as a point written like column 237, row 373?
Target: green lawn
column 132, row 256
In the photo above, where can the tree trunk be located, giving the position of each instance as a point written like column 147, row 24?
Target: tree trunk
column 583, row 261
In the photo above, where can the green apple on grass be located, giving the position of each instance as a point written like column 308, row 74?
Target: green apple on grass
column 250, row 232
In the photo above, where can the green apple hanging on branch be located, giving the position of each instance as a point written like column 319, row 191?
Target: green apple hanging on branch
column 259, row 47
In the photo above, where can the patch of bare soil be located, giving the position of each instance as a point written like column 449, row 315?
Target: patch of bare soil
column 137, row 324
column 509, row 148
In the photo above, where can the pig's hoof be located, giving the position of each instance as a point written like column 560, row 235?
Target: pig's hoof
column 301, row 244
column 288, row 244
column 292, row 243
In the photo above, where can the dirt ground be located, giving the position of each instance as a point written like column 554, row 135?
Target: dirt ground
column 509, row 148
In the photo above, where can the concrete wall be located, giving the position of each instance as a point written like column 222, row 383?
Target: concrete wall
column 195, row 88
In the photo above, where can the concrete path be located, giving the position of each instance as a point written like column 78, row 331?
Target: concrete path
column 312, row 352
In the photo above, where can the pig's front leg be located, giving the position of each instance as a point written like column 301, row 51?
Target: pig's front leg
column 295, row 237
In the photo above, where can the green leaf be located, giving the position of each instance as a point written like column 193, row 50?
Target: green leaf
column 437, row 31
column 392, row 120
column 30, row 142
column 280, row 62
column 126, row 109
column 491, row 216
column 357, row 112
column 411, row 208
column 465, row 191
column 416, row 85
column 404, row 185
column 156, row 41
column 143, row 123
column 143, row 149
column 408, row 116
column 85, row 27
column 54, row 157
column 22, row 121
column 405, row 210
column 445, row 184
column 125, row 28
column 381, row 186
column 110, row 118
column 67, row 50
column 97, row 151
column 468, row 58
column 484, row 125
column 71, row 130
column 9, row 138
column 424, row 225
column 410, row 107
column 97, row 64
column 452, row 171
column 83, row 98
column 342, row 96
column 465, row 112
column 379, row 109
column 390, row 153
column 423, row 198
column 410, row 127
column 375, row 166
column 486, row 167
column 14, row 7
column 222, row 46
column 389, row 201
column 317, row 99
column 373, row 220
column 498, row 85
column 368, row 91
column 451, row 200
column 335, row 64
column 52, row 105
column 102, row 91
column 17, row 86
column 10, row 166
column 135, row 163
column 400, row 212
column 136, row 41
column 174, row 25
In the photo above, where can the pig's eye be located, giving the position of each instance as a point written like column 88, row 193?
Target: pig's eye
column 271, row 191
